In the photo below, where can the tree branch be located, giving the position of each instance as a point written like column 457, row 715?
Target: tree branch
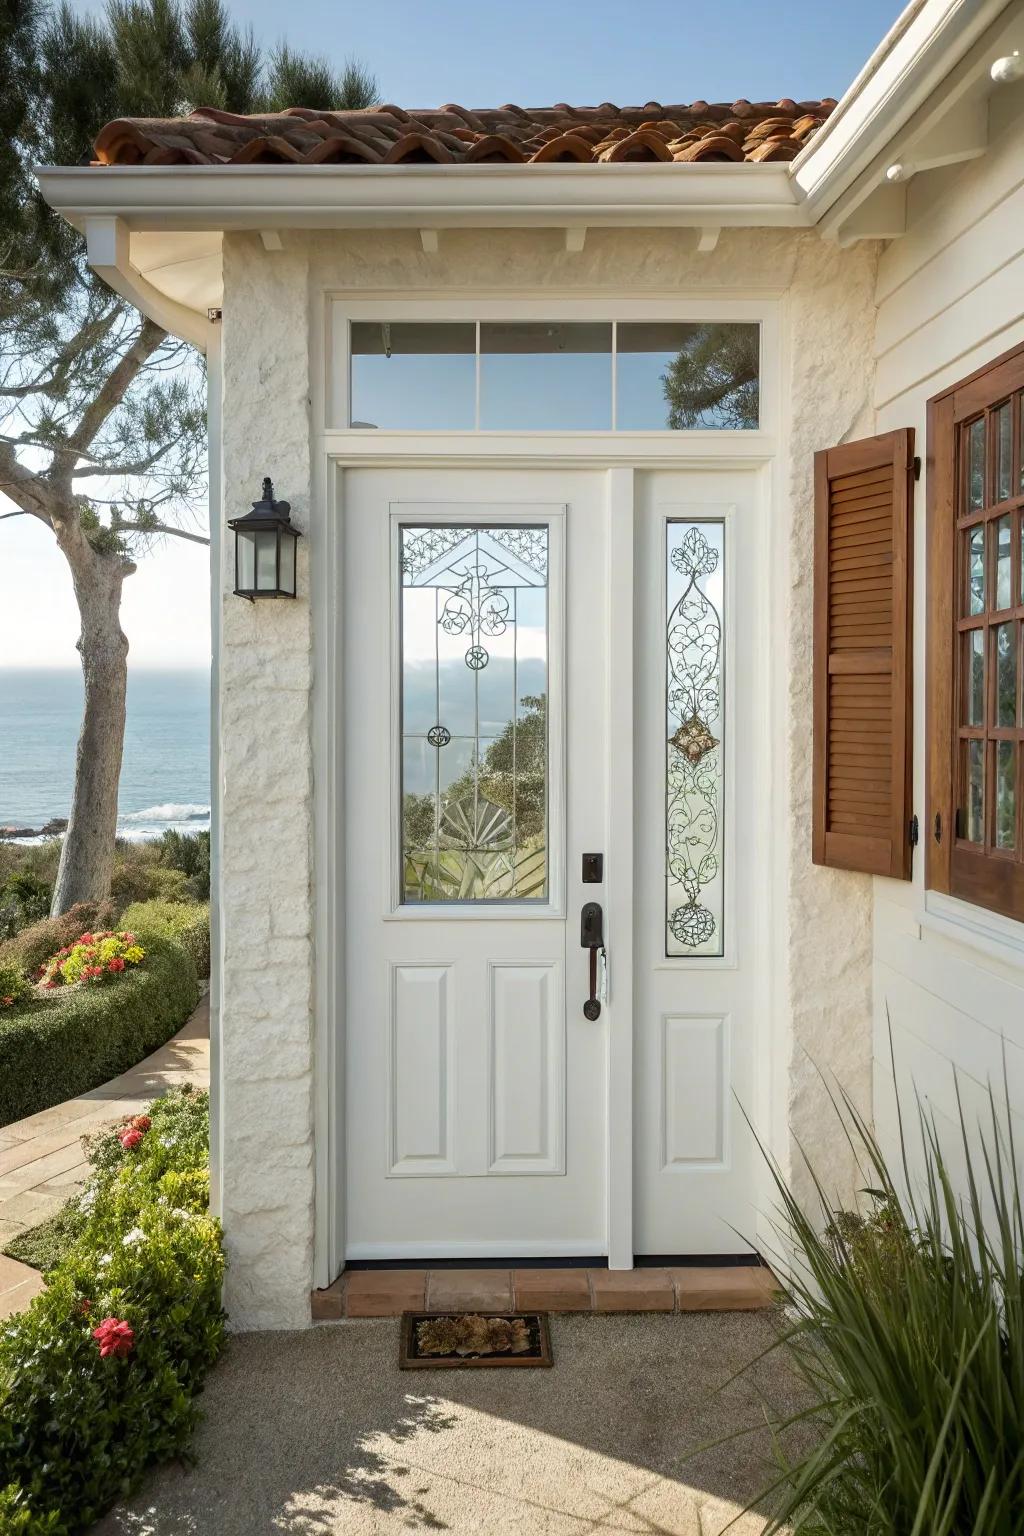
column 176, row 533
column 113, row 389
column 32, row 493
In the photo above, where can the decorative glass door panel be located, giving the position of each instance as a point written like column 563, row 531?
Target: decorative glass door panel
column 694, row 773
column 474, row 694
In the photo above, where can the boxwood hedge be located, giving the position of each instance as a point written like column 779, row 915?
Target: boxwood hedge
column 187, row 922
column 76, row 1038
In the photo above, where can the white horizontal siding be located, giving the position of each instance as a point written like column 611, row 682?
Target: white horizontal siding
column 950, row 298
column 955, row 281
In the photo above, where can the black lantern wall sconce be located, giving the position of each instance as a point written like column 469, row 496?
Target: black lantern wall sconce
column 265, row 543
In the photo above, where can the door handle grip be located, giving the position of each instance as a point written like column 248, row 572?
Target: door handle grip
column 592, row 939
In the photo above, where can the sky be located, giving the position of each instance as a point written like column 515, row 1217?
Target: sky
column 580, row 51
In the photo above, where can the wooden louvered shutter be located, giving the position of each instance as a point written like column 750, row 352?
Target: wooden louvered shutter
column 863, row 499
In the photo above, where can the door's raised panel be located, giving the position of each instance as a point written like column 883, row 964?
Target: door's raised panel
column 694, row 1090
column 526, row 1069
column 421, row 1077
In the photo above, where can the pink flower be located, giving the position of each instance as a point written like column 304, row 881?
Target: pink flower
column 114, row 1337
column 49, row 985
column 128, row 938
column 117, row 964
column 130, row 1138
column 142, row 1122
column 86, row 938
column 8, row 1002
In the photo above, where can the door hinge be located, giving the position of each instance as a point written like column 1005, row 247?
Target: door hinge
column 937, row 828
column 914, row 832
column 917, row 467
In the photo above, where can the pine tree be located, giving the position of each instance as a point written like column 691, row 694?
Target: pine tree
column 102, row 414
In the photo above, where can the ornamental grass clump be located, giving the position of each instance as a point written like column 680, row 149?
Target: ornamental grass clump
column 909, row 1337
column 99, row 1378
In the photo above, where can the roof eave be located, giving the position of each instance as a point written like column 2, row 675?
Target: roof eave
column 927, row 42
column 201, row 197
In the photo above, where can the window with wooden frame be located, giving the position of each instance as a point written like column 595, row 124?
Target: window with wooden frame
column 975, row 656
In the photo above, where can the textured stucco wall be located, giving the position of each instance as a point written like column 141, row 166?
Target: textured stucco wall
column 265, row 895
column 821, row 933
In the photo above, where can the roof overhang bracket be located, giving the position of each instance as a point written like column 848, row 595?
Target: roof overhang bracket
column 575, row 238
column 707, row 239
column 108, row 248
column 271, row 240
column 430, row 240
column 881, row 216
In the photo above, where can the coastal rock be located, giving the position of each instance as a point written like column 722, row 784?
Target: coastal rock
column 53, row 828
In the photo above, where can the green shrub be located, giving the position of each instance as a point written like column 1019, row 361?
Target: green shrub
column 13, row 987
column 189, row 852
column 18, row 1519
column 24, row 899
column 910, row 1340
column 65, row 1042
column 143, row 880
column 76, row 1429
column 188, row 922
column 33, row 946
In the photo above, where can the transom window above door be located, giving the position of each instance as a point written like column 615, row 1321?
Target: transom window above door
column 537, row 376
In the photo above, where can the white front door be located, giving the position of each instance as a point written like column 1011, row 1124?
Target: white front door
column 477, row 716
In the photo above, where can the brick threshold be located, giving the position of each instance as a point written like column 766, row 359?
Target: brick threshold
column 672, row 1288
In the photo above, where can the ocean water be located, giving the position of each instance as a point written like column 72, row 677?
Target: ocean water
column 165, row 776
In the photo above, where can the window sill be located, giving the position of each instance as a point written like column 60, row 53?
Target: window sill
column 1001, row 938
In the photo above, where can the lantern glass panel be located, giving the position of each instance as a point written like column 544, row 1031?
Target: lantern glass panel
column 266, row 561
column 246, row 556
column 288, row 542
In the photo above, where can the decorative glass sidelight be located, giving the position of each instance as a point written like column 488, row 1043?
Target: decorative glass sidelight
column 474, row 656
column 695, row 712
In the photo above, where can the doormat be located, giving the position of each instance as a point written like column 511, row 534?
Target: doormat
column 457, row 1340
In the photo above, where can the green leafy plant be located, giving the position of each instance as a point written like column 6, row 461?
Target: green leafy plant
column 13, row 986
column 99, row 1378
column 186, row 922
column 190, row 853
column 910, row 1340
column 24, row 899
column 64, row 1042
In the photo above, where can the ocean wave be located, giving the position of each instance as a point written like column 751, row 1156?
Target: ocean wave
column 169, row 812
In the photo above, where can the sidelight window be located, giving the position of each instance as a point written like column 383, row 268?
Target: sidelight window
column 474, row 691
column 695, row 722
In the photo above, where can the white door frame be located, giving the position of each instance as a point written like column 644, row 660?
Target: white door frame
column 336, row 449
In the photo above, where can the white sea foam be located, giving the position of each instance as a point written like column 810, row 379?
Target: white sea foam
column 170, row 813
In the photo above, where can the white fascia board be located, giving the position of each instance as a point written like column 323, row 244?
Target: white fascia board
column 200, row 197
column 926, row 43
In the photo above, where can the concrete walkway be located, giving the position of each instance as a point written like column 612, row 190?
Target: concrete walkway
column 319, row 1433
column 41, row 1159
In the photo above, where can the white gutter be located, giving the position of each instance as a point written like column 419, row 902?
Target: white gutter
column 927, row 42
column 107, row 246
column 203, row 197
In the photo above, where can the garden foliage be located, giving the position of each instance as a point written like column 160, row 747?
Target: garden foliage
column 64, row 1042
column 910, row 1339
column 98, row 1379
column 33, row 946
column 186, row 922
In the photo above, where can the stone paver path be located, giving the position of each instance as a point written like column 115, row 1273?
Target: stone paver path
column 41, row 1159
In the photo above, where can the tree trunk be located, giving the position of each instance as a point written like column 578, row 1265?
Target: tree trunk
column 87, row 857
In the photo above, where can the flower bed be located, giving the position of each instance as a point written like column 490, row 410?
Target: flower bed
column 64, row 1040
column 98, row 1379
column 92, row 959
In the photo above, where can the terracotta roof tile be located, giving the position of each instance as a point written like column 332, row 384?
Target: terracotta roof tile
column 453, row 135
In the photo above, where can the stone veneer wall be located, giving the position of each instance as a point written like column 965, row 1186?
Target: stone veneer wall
column 819, row 1011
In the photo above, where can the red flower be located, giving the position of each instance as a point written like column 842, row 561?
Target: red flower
column 130, row 1138
column 49, row 984
column 142, row 1122
column 117, row 964
column 114, row 1337
column 86, row 938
